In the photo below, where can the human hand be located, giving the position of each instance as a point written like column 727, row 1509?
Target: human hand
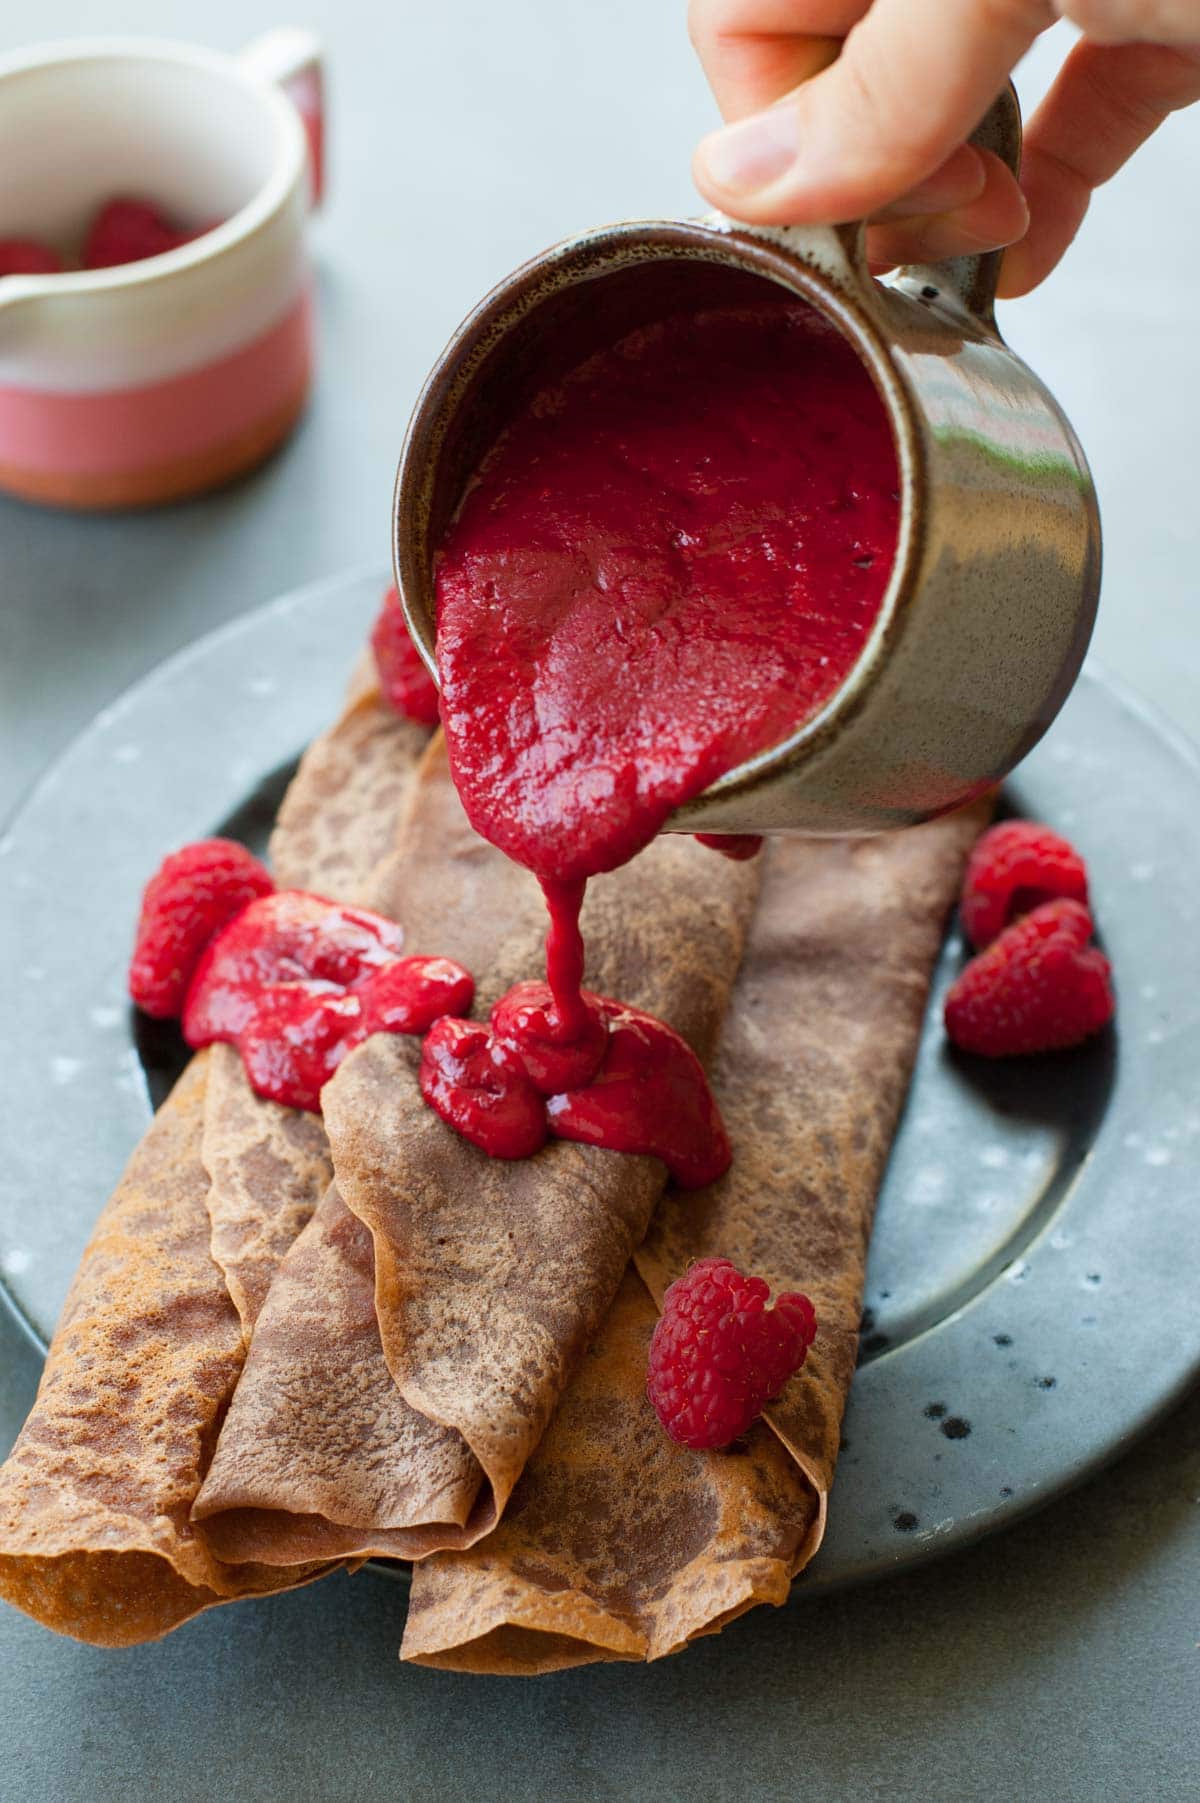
column 845, row 109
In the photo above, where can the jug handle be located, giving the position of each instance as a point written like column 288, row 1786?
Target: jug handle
column 841, row 250
column 292, row 58
column 972, row 280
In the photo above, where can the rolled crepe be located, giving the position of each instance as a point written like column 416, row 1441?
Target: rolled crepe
column 619, row 1544
column 268, row 1167
column 339, row 818
column 489, row 1277
column 96, row 1538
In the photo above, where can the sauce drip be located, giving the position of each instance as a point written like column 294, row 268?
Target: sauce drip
column 629, row 1083
column 667, row 564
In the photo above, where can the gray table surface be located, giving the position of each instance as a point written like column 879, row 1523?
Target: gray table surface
column 1058, row 1661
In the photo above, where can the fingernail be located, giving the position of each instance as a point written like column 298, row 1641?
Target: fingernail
column 753, row 153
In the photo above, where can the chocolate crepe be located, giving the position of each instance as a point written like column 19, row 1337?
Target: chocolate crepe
column 269, row 1165
column 339, row 818
column 617, row 1543
column 95, row 1500
column 489, row 1277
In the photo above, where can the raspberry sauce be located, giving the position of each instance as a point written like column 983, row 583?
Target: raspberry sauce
column 626, row 1081
column 295, row 982
column 665, row 565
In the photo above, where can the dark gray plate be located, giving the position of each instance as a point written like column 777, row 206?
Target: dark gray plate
column 1030, row 1291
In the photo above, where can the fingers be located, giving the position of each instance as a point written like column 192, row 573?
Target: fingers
column 755, row 51
column 857, row 136
column 1107, row 100
column 997, row 215
column 1132, row 21
column 957, row 182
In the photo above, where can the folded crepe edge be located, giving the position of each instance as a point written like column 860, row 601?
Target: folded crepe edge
column 143, row 1577
column 448, row 1598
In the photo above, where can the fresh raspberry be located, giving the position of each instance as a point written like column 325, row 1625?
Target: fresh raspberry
column 406, row 683
column 127, row 231
column 194, row 894
column 25, row 256
column 719, row 1354
column 1014, row 867
column 1039, row 987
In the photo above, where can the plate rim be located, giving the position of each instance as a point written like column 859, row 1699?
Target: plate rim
column 909, row 1552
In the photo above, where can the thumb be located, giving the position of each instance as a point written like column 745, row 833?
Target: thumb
column 897, row 102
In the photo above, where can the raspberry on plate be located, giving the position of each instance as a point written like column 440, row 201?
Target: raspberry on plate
column 406, row 683
column 194, row 893
column 1040, row 987
column 719, row 1354
column 1015, row 867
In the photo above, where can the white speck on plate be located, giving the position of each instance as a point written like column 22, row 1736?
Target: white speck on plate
column 929, row 1186
column 105, row 1017
column 994, row 1158
column 1148, row 991
column 129, row 1072
column 1134, row 1140
column 1141, row 872
column 262, row 685
column 1155, row 1036
column 64, row 1070
column 16, row 1261
column 127, row 754
column 1157, row 1155
column 1061, row 1241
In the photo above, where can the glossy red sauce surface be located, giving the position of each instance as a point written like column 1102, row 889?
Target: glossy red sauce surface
column 628, row 1083
column 665, row 565
column 295, row 982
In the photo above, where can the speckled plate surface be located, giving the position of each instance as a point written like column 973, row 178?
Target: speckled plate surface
column 1030, row 1298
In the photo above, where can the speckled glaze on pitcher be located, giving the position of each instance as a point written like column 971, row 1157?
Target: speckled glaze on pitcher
column 993, row 592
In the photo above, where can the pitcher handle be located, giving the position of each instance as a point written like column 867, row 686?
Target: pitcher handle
column 972, row 280
column 293, row 59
